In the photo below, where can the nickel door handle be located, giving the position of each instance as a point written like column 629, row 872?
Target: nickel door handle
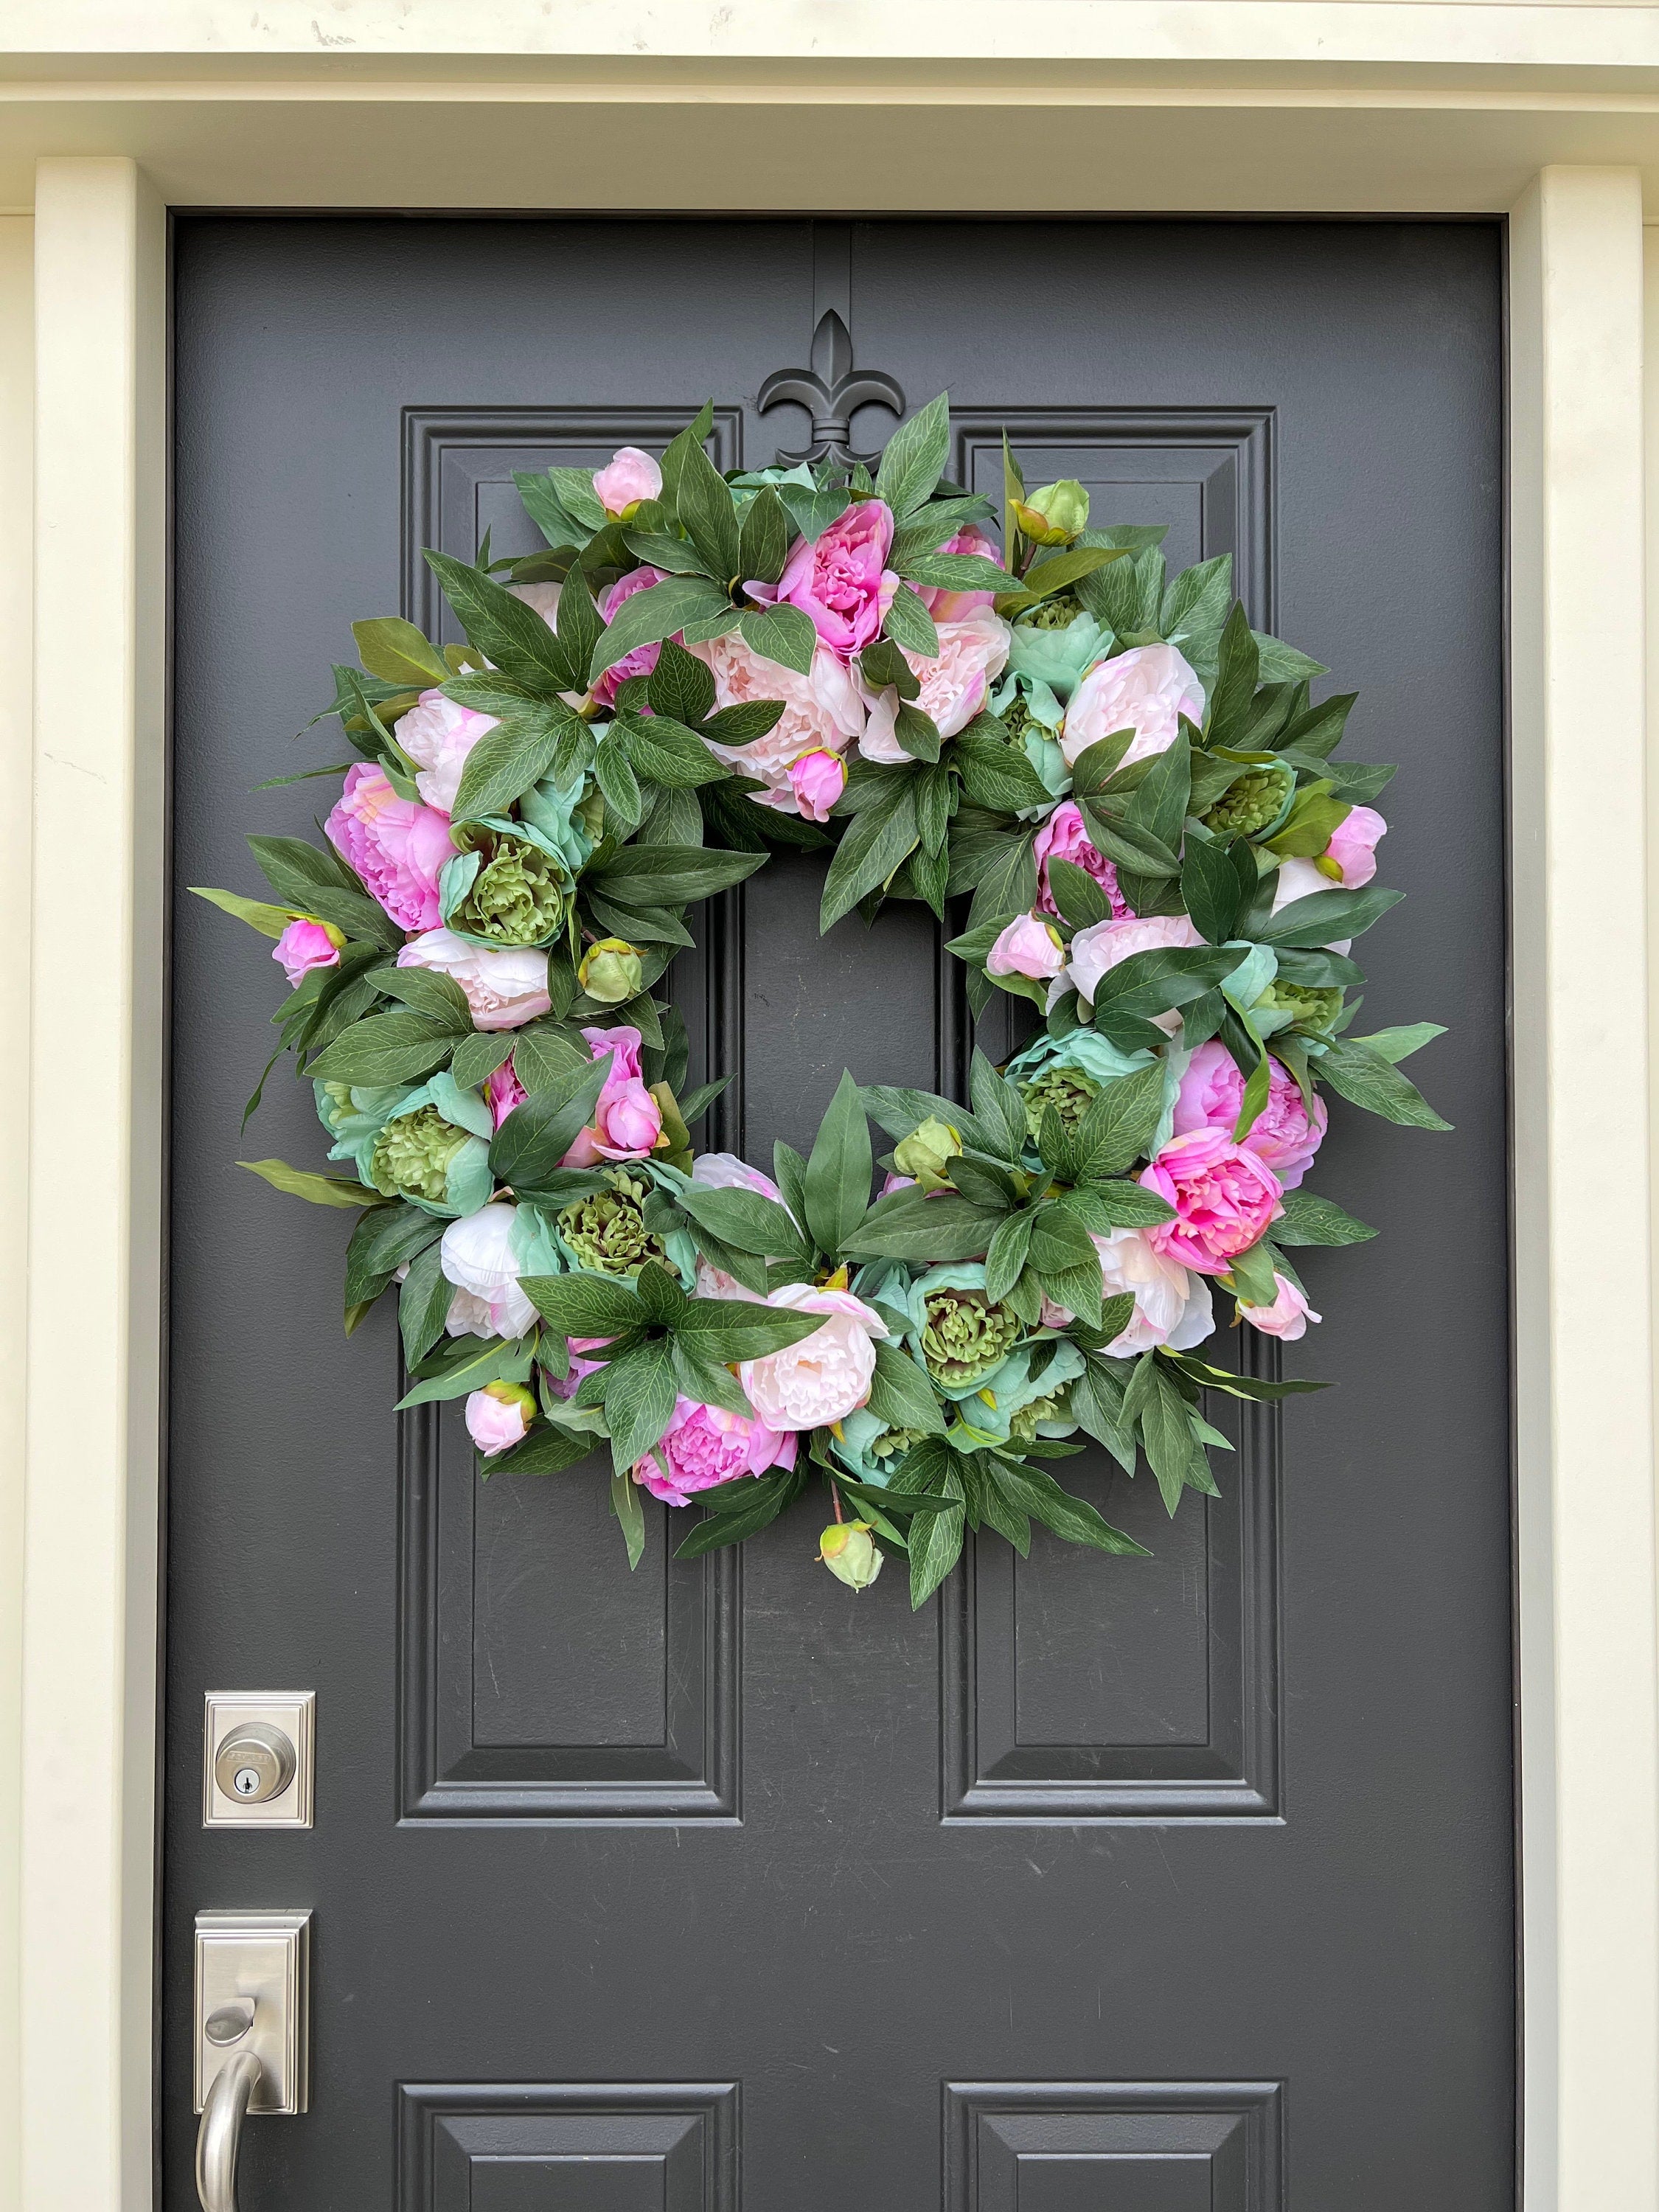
column 252, row 2002
column 219, row 2138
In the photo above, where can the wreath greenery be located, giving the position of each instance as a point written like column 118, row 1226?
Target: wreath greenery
column 1165, row 854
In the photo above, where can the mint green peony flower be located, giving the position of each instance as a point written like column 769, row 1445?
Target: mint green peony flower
column 1027, row 1397
column 869, row 1450
column 430, row 1146
column 1070, row 1072
column 959, row 1336
column 410, row 1157
column 513, row 888
column 605, row 1232
column 1255, row 804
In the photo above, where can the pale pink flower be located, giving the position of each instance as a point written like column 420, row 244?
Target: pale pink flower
column 946, row 605
column 726, row 1171
column 1212, row 1091
column 1147, row 689
column 1353, row 845
column 628, row 1121
column 1028, row 947
column 477, row 1256
column 1172, row 1305
column 498, row 1417
column 818, row 779
column 643, row 658
column 1224, row 1196
column 437, row 734
column 577, row 1348
column 542, row 599
column 1097, row 951
column 306, row 945
column 1064, row 836
column 503, row 1092
column 397, row 845
column 626, row 477
column 704, row 1445
column 827, row 1375
column 823, row 711
column 953, row 683
column 505, row 986
column 840, row 581
column 1287, row 1317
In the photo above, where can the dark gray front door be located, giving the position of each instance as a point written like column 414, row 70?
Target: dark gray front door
column 1100, row 1886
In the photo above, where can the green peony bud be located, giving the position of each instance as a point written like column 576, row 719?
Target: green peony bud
column 964, row 1336
column 925, row 1152
column 1308, row 1008
column 1254, row 804
column 412, row 1154
column 1067, row 1089
column 1058, row 612
column 516, row 897
column 611, row 972
column 1054, row 514
column 606, row 1231
column 848, row 1550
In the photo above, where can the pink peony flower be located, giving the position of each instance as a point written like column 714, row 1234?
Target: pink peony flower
column 626, row 477
column 1224, row 1198
column 643, row 658
column 827, row 1375
column 841, row 580
column 564, row 1386
column 1288, row 1316
column 505, row 986
column 398, row 847
column 1353, row 845
column 1029, row 946
column 503, row 1092
column 306, row 945
column 726, row 1171
column 1210, row 1094
column 704, row 1445
column 948, row 606
column 823, row 712
column 438, row 735
column 1097, row 951
column 1063, row 837
column 628, row 1121
column 498, row 1417
column 954, row 683
column 818, row 779
column 1146, row 690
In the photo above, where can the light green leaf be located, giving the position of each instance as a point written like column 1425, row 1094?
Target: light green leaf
column 316, row 1189
column 1367, row 1078
column 396, row 650
column 268, row 920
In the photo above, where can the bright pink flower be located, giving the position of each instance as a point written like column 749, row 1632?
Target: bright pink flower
column 841, row 580
column 643, row 658
column 503, row 1092
column 498, row 1416
column 1063, row 837
column 1286, row 1317
column 626, row 477
column 1353, row 845
column 304, row 945
column 564, row 1386
column 818, row 779
column 1212, row 1092
column 438, row 735
column 954, row 683
column 628, row 1121
column 1224, row 1198
column 707, row 1444
column 1029, row 946
column 397, row 845
column 948, row 606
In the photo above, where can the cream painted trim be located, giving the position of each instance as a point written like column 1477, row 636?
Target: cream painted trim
column 90, row 1681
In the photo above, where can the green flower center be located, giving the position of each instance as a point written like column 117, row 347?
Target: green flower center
column 1023, row 1422
column 516, row 897
column 965, row 1336
column 411, row 1156
column 606, row 1230
column 891, row 1445
column 1251, row 804
column 1067, row 1089
column 1310, row 1009
column 1059, row 612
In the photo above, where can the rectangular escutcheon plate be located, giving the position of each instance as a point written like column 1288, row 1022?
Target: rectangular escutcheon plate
column 262, row 1958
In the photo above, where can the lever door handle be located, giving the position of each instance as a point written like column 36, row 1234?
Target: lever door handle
column 252, row 2001
column 219, row 2138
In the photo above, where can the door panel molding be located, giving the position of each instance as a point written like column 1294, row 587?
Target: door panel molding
column 1151, row 2146
column 659, row 2147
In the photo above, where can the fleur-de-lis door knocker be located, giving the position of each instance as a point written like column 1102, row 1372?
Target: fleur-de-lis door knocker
column 832, row 391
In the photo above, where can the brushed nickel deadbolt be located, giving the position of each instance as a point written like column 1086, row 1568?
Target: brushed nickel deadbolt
column 256, row 1768
column 255, row 1763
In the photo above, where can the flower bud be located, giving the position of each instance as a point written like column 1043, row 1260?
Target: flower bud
column 611, row 972
column 1055, row 514
column 926, row 1152
column 848, row 1550
column 498, row 1416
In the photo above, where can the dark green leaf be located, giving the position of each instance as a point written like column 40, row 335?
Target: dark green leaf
column 423, row 1304
column 746, row 1219
column 532, row 1141
column 909, row 624
column 384, row 1049
column 1366, row 1077
column 782, row 634
column 839, row 1170
column 654, row 614
column 910, row 1225
column 671, row 875
column 881, row 836
column 764, row 546
column 1031, row 1491
column 584, row 1304
column 508, row 760
column 1314, row 920
column 639, row 1401
column 914, row 459
column 511, row 636
column 900, row 1393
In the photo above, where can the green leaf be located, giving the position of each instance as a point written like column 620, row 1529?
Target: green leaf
column 999, row 1110
column 729, row 1330
column 440, row 998
column 1253, row 1275
column 936, row 1546
column 996, row 774
column 1119, row 1124
column 478, row 1056
column 914, row 460
column 764, row 547
column 909, row 624
column 545, row 1450
column 488, row 1359
column 703, row 502
column 1150, row 983
column 670, row 875
column 1005, row 1255
column 1367, row 1078
column 614, row 774
column 508, row 760
column 268, row 920
column 1314, row 920
column 1059, row 1240
column 782, row 634
column 542, row 1056
column 1158, row 806
column 1218, row 882
column 1253, row 1100
column 955, row 572
column 625, row 1504
column 1236, row 679
column 585, row 1306
column 1238, row 1386
column 1119, row 1205
column 423, row 1304
column 680, row 686
column 380, row 1243
column 755, row 1502
column 396, row 650
column 746, row 1219
column 900, row 1393
column 654, row 614
column 535, row 1137
column 511, row 636
column 1029, row 1491
column 740, row 725
column 882, row 836
column 312, row 881
column 667, row 753
column 639, row 1401
column 1173, row 1453
column 910, row 1225
column 1308, row 1219
column 384, row 1049
column 812, row 512
column 1398, row 1044
column 839, row 1170
column 1080, row 899
column 316, row 1189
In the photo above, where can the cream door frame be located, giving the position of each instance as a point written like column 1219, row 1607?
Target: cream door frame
column 1295, row 104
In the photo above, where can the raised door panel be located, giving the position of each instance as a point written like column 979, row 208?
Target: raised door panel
column 1128, row 2146
column 566, row 2147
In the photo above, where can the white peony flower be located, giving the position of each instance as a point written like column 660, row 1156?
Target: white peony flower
column 505, row 986
column 822, row 712
column 477, row 1256
column 1172, row 1304
column 438, row 735
column 954, row 683
column 827, row 1375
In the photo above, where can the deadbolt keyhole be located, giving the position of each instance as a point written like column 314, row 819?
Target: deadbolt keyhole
column 255, row 1763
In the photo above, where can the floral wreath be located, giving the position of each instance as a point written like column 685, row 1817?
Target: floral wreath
column 1165, row 855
